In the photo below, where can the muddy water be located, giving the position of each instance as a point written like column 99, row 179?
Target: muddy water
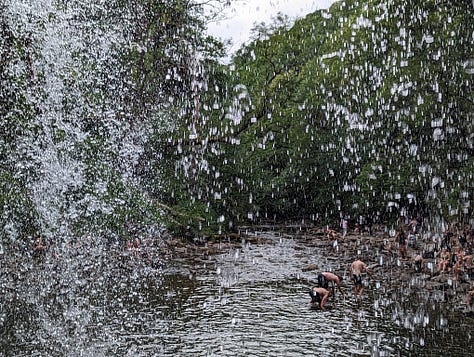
column 251, row 300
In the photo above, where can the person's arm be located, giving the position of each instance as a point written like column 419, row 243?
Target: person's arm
column 340, row 289
column 395, row 237
column 368, row 272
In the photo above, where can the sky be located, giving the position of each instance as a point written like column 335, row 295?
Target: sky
column 243, row 14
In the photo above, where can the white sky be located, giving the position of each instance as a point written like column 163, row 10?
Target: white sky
column 243, row 14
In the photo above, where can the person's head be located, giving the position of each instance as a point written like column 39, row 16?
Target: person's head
column 340, row 278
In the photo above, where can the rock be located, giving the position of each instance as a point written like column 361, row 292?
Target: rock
column 405, row 276
column 433, row 285
column 441, row 278
column 310, row 267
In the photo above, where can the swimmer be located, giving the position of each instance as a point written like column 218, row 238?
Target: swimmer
column 319, row 296
column 445, row 261
column 418, row 259
column 469, row 297
column 331, row 233
column 327, row 277
column 356, row 269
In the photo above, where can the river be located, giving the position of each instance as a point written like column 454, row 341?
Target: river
column 248, row 300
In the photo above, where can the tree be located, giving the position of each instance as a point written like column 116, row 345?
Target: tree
column 87, row 88
column 398, row 73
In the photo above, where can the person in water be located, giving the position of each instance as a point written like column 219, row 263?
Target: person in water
column 401, row 239
column 319, row 296
column 327, row 277
column 418, row 262
column 445, row 261
column 356, row 269
column 39, row 248
column 331, row 233
column 469, row 297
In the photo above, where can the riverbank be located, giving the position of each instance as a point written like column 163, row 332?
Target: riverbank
column 393, row 274
column 241, row 294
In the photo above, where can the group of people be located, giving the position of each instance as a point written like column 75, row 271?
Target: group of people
column 456, row 256
column 363, row 224
column 453, row 254
column 454, row 262
column 327, row 281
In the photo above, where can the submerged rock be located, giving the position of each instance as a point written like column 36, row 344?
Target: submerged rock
column 310, row 267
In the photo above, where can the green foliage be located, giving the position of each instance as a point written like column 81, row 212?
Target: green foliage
column 19, row 218
column 125, row 76
column 357, row 109
column 361, row 108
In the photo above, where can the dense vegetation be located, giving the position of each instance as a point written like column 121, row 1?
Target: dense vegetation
column 118, row 119
column 359, row 109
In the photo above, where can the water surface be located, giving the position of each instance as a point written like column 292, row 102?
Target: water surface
column 250, row 300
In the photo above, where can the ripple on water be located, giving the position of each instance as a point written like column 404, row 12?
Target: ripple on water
column 254, row 301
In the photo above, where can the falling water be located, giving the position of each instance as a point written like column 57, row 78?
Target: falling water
column 251, row 299
column 86, row 171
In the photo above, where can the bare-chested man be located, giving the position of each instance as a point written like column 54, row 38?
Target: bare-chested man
column 469, row 297
column 319, row 296
column 418, row 262
column 459, row 264
column 327, row 277
column 401, row 239
column 39, row 248
column 468, row 261
column 445, row 261
column 356, row 269
column 331, row 233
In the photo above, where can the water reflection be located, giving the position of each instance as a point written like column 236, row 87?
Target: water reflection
column 251, row 300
